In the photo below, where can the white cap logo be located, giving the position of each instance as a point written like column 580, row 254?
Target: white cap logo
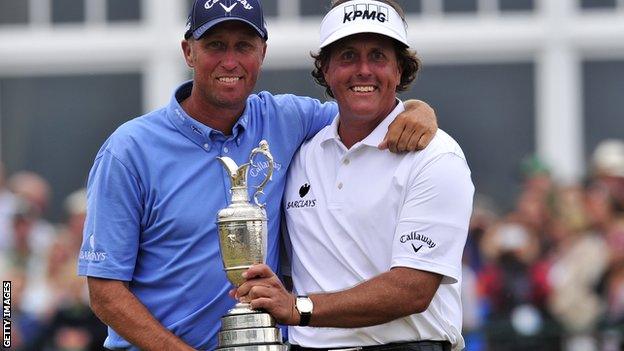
column 228, row 9
column 210, row 3
column 362, row 16
column 365, row 12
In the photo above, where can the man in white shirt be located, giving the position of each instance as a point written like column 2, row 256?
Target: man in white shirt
column 377, row 238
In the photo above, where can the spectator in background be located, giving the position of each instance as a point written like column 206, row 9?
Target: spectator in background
column 484, row 216
column 537, row 177
column 605, row 205
column 578, row 263
column 33, row 188
column 600, row 207
column 512, row 285
column 35, row 191
column 20, row 253
column 534, row 204
column 31, row 237
column 24, row 255
column 613, row 288
column 608, row 163
column 76, row 210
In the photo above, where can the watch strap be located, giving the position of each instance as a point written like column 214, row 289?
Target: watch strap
column 304, row 317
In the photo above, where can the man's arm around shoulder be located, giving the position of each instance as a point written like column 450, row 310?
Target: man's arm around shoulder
column 395, row 294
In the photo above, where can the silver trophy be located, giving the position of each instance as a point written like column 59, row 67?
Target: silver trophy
column 243, row 241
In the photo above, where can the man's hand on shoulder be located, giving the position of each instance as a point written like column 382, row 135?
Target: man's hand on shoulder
column 412, row 130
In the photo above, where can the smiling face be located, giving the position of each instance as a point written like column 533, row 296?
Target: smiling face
column 363, row 74
column 227, row 63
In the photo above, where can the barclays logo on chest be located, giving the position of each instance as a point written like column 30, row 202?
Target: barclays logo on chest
column 302, row 202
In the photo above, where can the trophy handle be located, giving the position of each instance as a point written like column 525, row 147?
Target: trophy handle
column 263, row 148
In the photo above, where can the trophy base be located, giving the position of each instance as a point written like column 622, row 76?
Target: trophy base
column 245, row 329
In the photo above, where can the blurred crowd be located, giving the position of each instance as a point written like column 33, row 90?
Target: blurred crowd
column 49, row 302
column 547, row 275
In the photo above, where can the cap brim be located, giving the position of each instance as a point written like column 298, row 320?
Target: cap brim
column 370, row 28
column 199, row 32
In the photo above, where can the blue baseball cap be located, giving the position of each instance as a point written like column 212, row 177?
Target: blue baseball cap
column 205, row 14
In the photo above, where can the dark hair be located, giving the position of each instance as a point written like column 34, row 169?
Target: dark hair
column 408, row 62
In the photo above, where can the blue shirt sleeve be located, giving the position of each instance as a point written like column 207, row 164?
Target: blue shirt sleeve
column 314, row 115
column 112, row 227
column 317, row 117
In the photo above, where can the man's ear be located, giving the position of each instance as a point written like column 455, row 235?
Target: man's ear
column 187, row 50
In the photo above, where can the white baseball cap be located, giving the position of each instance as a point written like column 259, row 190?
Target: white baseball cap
column 362, row 16
column 608, row 158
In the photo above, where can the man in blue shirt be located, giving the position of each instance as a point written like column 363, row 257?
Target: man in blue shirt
column 150, row 248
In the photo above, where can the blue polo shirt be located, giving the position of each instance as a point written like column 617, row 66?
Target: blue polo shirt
column 153, row 195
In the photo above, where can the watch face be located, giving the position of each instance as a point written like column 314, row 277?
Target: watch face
column 304, row 305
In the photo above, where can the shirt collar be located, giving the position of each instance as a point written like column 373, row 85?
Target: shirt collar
column 197, row 132
column 375, row 137
column 331, row 133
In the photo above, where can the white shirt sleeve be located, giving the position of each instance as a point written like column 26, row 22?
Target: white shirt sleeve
column 433, row 222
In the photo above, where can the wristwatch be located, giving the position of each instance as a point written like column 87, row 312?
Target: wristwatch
column 304, row 306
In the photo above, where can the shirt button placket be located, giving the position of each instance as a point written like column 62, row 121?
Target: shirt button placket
column 345, row 162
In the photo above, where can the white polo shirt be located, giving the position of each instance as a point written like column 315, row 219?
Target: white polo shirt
column 354, row 214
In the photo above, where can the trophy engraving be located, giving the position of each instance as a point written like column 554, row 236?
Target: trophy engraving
column 243, row 242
